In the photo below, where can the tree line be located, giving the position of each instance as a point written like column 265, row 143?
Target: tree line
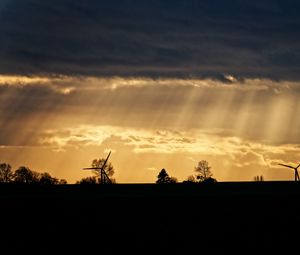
column 24, row 175
column 203, row 174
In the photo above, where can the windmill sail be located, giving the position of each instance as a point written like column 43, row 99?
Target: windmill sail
column 287, row 166
column 297, row 178
column 103, row 175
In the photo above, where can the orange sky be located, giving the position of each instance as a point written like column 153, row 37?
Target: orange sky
column 60, row 124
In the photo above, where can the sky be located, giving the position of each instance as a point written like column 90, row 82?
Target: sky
column 160, row 83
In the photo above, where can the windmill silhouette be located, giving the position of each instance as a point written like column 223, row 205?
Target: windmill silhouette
column 296, row 171
column 104, row 179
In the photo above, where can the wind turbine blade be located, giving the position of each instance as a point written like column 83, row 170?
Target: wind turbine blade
column 105, row 160
column 287, row 166
column 91, row 168
column 296, row 175
column 297, row 166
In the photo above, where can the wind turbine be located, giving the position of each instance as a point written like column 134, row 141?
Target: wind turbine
column 296, row 171
column 103, row 175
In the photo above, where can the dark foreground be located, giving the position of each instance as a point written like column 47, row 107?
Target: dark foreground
column 180, row 218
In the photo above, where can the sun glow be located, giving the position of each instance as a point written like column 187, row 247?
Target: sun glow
column 243, row 127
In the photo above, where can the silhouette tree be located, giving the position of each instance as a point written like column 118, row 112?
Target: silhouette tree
column 25, row 175
column 6, row 174
column 190, row 179
column 88, row 180
column 209, row 180
column 203, row 171
column 47, row 179
column 173, row 180
column 163, row 177
column 93, row 180
column 62, row 181
column 108, row 168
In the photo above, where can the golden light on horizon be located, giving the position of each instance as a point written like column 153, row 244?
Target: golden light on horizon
column 151, row 124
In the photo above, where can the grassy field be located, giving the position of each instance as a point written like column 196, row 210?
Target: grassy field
column 149, row 217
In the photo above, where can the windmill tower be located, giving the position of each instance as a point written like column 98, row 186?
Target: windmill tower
column 104, row 179
column 296, row 171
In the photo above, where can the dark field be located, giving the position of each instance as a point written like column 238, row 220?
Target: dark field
column 181, row 218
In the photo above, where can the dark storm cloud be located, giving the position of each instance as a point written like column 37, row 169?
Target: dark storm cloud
column 151, row 38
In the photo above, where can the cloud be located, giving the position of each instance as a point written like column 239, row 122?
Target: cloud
column 232, row 158
column 242, row 153
column 257, row 39
column 252, row 109
column 85, row 83
column 138, row 154
column 76, row 137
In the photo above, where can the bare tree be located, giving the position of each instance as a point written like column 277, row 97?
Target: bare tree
column 203, row 171
column 6, row 174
